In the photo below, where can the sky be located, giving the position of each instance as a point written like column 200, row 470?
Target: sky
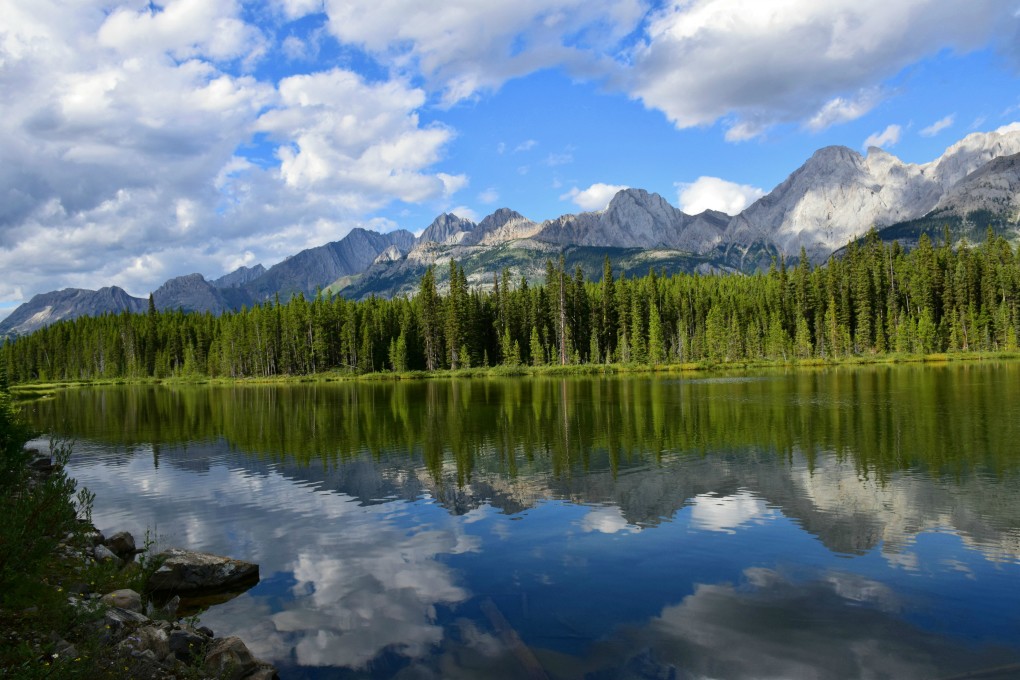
column 145, row 140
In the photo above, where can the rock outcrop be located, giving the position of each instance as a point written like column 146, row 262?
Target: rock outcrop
column 190, row 572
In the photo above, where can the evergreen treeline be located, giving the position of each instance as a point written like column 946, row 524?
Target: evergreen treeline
column 874, row 299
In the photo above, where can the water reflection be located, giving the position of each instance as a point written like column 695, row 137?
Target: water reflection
column 619, row 527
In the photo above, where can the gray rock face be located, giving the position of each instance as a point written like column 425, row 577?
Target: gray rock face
column 446, row 229
column 187, row 571
column 318, row 267
column 239, row 277
column 638, row 219
column 838, row 195
column 191, row 293
column 994, row 187
column 70, row 303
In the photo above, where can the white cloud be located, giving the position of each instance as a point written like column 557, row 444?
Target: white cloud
column 714, row 193
column 757, row 63
column 182, row 28
column 938, row 126
column 840, row 110
column 108, row 179
column 526, row 145
column 465, row 212
column 463, row 47
column 595, row 197
column 489, row 196
column 364, row 154
column 887, row 137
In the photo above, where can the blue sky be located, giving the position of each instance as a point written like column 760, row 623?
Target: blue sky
column 146, row 140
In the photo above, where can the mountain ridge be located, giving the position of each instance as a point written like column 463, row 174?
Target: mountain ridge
column 836, row 196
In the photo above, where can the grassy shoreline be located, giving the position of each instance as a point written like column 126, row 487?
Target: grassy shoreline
column 41, row 389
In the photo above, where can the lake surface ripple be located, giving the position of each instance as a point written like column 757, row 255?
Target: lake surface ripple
column 837, row 523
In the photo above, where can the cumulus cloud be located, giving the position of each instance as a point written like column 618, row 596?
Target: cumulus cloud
column 463, row 47
column 595, row 197
column 887, row 137
column 755, row 64
column 111, row 178
column 938, row 126
column 714, row 193
column 371, row 150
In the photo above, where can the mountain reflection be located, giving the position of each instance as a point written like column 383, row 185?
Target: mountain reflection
column 859, row 457
column 625, row 527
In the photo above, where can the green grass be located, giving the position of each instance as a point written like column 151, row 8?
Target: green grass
column 40, row 390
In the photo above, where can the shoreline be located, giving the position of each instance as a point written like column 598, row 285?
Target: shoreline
column 40, row 389
column 123, row 623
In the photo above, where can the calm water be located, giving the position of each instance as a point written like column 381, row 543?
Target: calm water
column 832, row 524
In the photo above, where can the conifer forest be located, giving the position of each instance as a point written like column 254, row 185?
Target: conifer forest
column 871, row 299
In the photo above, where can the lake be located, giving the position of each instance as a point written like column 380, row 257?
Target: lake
column 831, row 523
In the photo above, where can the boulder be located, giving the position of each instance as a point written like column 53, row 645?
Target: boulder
column 189, row 572
column 186, row 644
column 104, row 554
column 124, row 598
column 122, row 544
column 229, row 658
column 115, row 617
column 155, row 640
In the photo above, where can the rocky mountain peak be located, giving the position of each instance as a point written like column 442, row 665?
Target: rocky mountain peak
column 973, row 151
column 446, row 228
column 190, row 292
column 69, row 303
column 239, row 277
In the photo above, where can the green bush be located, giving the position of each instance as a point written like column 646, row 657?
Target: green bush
column 37, row 511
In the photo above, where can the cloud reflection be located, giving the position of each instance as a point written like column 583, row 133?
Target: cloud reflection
column 835, row 625
column 363, row 579
column 712, row 512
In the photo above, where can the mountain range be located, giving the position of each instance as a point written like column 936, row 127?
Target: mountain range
column 836, row 196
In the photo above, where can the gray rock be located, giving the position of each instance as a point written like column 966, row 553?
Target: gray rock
column 104, row 554
column 186, row 645
column 116, row 617
column 62, row 648
column 230, row 659
column 154, row 639
column 125, row 598
column 122, row 544
column 187, row 571
column 168, row 611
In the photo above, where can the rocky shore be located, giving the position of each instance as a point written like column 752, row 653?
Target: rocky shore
column 138, row 629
